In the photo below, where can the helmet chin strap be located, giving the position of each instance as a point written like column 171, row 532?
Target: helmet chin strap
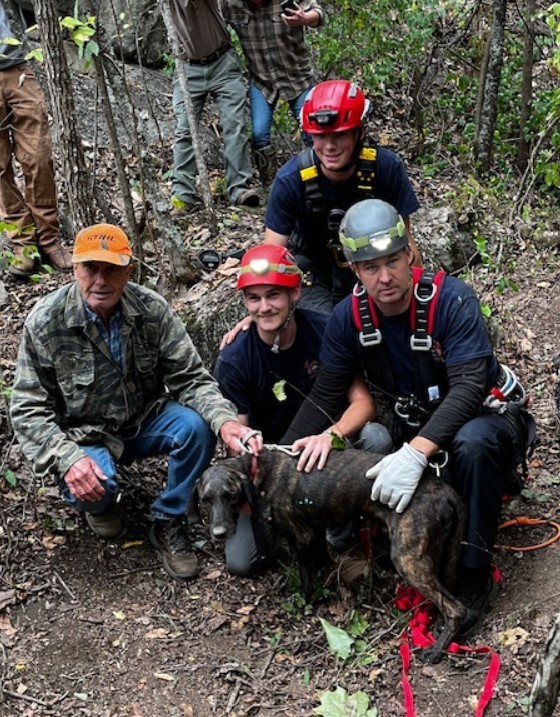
column 275, row 348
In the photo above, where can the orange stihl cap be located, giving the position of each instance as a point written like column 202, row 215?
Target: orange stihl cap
column 102, row 242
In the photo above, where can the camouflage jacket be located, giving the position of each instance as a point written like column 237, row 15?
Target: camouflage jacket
column 68, row 391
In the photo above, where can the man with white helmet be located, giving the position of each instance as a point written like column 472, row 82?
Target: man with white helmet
column 421, row 341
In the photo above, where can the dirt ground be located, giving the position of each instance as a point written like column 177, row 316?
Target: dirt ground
column 89, row 628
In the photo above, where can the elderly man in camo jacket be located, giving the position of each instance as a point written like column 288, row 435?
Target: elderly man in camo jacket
column 107, row 374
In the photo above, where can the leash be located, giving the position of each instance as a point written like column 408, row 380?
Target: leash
column 281, row 449
column 418, row 633
column 524, row 521
column 269, row 446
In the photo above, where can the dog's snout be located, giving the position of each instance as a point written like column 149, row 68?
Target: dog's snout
column 219, row 532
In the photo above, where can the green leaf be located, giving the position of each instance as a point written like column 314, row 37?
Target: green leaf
column 357, row 624
column 339, row 640
column 177, row 202
column 92, row 48
column 36, row 54
column 279, row 390
column 70, row 22
column 9, row 41
column 82, row 34
column 340, row 704
column 337, row 442
column 10, row 478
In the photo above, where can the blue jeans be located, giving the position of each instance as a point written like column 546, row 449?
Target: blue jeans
column 261, row 116
column 223, row 81
column 174, row 430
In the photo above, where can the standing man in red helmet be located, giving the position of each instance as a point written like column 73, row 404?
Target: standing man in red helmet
column 269, row 370
column 312, row 191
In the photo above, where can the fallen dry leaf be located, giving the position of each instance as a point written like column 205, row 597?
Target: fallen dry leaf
column 164, row 676
column 8, row 597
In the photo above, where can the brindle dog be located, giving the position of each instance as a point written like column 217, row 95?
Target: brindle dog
column 425, row 539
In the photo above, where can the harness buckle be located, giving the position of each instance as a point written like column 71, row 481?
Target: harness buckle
column 425, row 298
column 372, row 338
column 421, row 343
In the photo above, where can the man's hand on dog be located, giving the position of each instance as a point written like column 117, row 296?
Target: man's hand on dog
column 397, row 477
column 313, row 450
column 240, row 438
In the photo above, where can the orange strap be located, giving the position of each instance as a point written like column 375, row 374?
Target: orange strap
column 524, row 521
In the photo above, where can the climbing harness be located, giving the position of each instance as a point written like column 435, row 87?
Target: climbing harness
column 315, row 201
column 431, row 380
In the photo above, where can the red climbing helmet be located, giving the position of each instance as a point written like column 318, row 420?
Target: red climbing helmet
column 333, row 106
column 268, row 264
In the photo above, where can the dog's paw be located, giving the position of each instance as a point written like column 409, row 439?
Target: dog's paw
column 431, row 655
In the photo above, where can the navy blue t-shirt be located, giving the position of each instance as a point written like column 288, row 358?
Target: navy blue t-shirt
column 459, row 330
column 247, row 371
column 287, row 209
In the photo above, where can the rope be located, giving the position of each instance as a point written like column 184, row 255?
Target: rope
column 524, row 521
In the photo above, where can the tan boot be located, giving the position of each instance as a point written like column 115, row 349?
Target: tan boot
column 24, row 261
column 57, row 256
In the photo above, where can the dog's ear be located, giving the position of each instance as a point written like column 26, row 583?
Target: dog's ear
column 239, row 477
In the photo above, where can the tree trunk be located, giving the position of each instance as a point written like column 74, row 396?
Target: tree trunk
column 547, row 680
column 490, row 87
column 527, row 84
column 132, row 229
column 80, row 195
column 195, row 137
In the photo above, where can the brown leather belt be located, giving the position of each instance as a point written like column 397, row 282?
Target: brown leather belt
column 213, row 57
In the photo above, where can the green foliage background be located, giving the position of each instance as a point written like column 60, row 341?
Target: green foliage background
column 430, row 53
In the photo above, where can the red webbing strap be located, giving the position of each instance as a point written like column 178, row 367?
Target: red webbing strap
column 418, row 632
column 437, row 281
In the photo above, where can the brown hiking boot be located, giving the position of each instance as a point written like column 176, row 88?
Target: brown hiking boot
column 170, row 537
column 248, row 198
column 57, row 256
column 24, row 261
column 107, row 524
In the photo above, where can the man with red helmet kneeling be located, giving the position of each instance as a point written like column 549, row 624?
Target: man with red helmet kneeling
column 269, row 370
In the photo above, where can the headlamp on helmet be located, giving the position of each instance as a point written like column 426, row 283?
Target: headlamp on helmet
column 372, row 229
column 333, row 106
column 268, row 264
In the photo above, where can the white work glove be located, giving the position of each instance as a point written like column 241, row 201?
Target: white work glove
column 397, row 476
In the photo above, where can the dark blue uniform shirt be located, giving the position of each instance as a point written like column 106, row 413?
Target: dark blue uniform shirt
column 247, row 371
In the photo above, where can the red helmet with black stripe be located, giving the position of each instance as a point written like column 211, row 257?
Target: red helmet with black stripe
column 268, row 264
column 334, row 106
